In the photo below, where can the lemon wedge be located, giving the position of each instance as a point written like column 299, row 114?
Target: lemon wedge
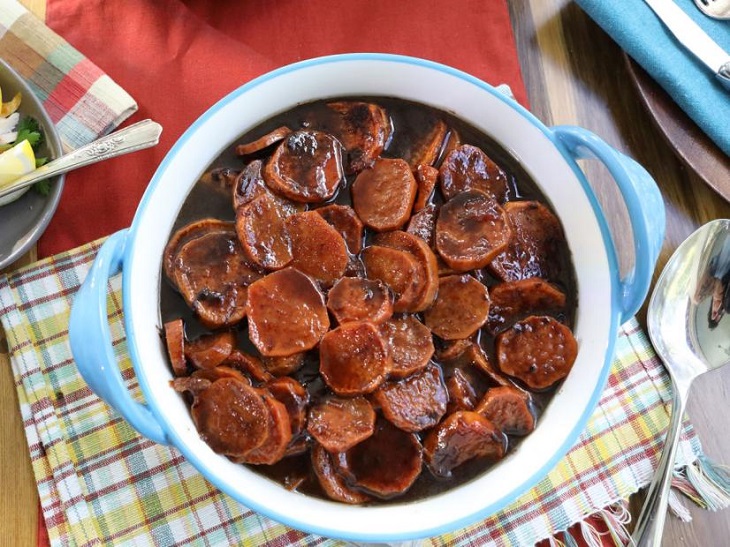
column 16, row 162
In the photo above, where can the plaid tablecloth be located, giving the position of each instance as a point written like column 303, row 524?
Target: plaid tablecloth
column 100, row 482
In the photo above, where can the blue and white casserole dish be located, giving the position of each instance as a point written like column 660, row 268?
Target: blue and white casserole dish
column 605, row 298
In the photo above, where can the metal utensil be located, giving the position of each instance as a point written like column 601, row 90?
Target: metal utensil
column 717, row 9
column 137, row 136
column 690, row 330
column 694, row 38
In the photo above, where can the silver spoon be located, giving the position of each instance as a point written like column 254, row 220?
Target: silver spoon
column 690, row 330
column 137, row 136
column 717, row 9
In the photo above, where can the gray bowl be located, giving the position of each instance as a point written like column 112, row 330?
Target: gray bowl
column 24, row 220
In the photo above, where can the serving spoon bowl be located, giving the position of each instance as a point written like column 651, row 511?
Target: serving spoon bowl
column 690, row 331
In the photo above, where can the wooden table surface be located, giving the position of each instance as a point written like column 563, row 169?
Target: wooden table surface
column 575, row 74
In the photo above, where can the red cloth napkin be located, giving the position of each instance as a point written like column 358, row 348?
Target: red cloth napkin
column 178, row 58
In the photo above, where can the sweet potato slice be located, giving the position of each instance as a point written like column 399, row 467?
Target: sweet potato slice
column 357, row 299
column 306, row 167
column 262, row 231
column 221, row 371
column 426, row 178
column 383, row 195
column 247, row 364
column 318, row 250
column 427, row 278
column 423, row 224
column 385, row 464
column 462, row 436
column 175, row 343
column 232, row 417
column 416, row 402
column 425, row 150
column 330, row 480
column 212, row 274
column 538, row 350
column 344, row 219
column 286, row 313
column 339, row 423
column 249, row 184
column 469, row 354
column 460, row 309
column 471, row 230
column 277, row 440
column 536, row 242
column 469, row 168
column 263, row 141
column 188, row 233
column 210, row 350
column 461, row 392
column 353, row 359
column 513, row 300
column 295, row 398
column 364, row 130
column 399, row 270
column 283, row 366
column 409, row 343
column 191, row 384
column 509, row 408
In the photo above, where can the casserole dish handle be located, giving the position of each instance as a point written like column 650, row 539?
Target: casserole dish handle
column 91, row 343
column 643, row 202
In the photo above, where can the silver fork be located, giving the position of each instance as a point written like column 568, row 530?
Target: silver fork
column 717, row 9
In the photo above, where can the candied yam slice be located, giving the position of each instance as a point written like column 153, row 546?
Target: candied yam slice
column 428, row 280
column 425, row 150
column 295, row 397
column 344, row 219
column 283, row 366
column 538, row 350
column 175, row 344
column 357, row 299
column 188, row 233
column 399, row 270
column 353, row 359
column 279, row 435
column 339, row 423
column 306, row 167
column 247, row 364
column 409, row 343
column 330, row 480
column 383, row 195
column 461, row 392
column 426, row 178
column 509, row 408
column 318, row 250
column 262, row 231
column 231, row 416
column 221, row 371
column 286, row 313
column 210, row 350
column 471, row 229
column 191, row 384
column 385, row 464
column 416, row 402
column 212, row 274
column 513, row 300
column 423, row 225
column 264, row 141
column 469, row 168
column 364, row 130
column 462, row 436
column 535, row 245
column 460, row 309
column 468, row 353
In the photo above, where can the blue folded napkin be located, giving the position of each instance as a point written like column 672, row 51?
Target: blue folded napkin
column 637, row 29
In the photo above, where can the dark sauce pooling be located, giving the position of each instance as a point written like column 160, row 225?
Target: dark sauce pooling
column 211, row 198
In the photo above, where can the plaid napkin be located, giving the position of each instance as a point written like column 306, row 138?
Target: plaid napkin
column 80, row 99
column 101, row 482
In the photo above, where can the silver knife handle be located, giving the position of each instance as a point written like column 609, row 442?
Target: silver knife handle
column 724, row 75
